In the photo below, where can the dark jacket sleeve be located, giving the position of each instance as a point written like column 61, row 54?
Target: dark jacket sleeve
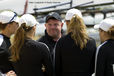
column 93, row 47
column 5, row 64
column 42, row 39
column 47, row 62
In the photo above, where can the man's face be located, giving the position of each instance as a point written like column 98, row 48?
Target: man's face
column 53, row 27
column 102, row 35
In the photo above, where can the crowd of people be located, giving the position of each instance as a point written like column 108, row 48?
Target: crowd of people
column 56, row 53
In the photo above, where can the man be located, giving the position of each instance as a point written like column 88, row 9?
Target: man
column 8, row 26
column 70, row 14
column 53, row 30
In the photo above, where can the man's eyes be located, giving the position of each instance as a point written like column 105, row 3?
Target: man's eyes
column 53, row 24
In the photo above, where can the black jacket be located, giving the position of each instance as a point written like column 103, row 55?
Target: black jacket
column 48, row 40
column 5, row 64
column 105, row 59
column 32, row 56
column 70, row 60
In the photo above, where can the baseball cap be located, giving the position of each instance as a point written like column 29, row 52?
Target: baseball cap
column 53, row 15
column 105, row 24
column 8, row 16
column 28, row 19
column 71, row 12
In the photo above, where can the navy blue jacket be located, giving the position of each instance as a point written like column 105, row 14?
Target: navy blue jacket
column 105, row 59
column 5, row 64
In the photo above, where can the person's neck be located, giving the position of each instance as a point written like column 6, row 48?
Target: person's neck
column 106, row 38
column 29, row 36
column 6, row 33
column 112, row 38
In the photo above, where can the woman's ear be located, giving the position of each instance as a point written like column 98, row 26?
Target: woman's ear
column 34, row 27
column 8, row 25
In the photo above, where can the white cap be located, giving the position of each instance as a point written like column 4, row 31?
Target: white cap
column 28, row 19
column 105, row 24
column 8, row 16
column 71, row 12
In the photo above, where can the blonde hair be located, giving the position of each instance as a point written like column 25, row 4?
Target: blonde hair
column 78, row 31
column 111, row 32
column 18, row 41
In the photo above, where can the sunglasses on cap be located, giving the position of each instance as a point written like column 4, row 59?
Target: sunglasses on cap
column 11, row 20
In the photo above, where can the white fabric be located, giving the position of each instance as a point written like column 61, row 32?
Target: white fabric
column 105, row 25
column 1, row 40
column 1, row 74
column 28, row 19
column 6, row 16
column 113, row 68
column 71, row 12
column 97, row 55
column 93, row 74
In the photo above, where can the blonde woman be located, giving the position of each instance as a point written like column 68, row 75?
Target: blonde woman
column 75, row 52
column 27, row 55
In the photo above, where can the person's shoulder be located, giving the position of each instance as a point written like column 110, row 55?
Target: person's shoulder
column 41, row 39
column 105, row 48
column 63, row 40
column 36, row 44
column 32, row 42
column 43, row 45
column 108, row 44
column 91, row 44
column 91, row 40
column 110, row 41
column 64, row 37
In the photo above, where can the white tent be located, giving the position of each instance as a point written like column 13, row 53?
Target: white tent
column 18, row 5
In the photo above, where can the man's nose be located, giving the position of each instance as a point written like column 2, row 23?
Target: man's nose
column 53, row 26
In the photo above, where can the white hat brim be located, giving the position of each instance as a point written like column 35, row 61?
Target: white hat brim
column 16, row 19
column 96, row 27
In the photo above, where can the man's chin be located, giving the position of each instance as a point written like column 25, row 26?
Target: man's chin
column 54, row 35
